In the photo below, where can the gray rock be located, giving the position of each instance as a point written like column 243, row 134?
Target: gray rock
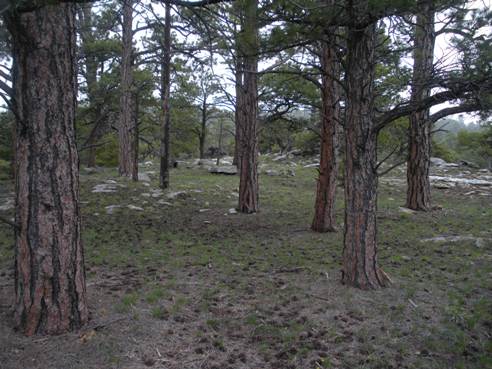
column 90, row 170
column 406, row 210
column 438, row 162
column 104, row 188
column 110, row 208
column 232, row 211
column 133, row 207
column 206, row 162
column 280, row 158
column 228, row 170
column 176, row 195
column 313, row 165
column 156, row 192
column 271, row 172
column 144, row 177
column 461, row 181
column 479, row 241
column 9, row 204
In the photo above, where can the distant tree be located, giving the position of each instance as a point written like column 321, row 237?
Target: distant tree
column 98, row 52
column 207, row 87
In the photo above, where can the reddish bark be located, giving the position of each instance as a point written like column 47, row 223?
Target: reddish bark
column 238, row 107
column 49, row 264
column 418, row 164
column 248, row 154
column 324, row 208
column 360, row 267
column 128, row 166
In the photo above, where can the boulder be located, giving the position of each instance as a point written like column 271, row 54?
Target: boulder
column 438, row 162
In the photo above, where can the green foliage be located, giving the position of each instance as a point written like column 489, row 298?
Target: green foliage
column 461, row 142
column 6, row 125
column 107, row 155
column 307, row 141
column 393, row 138
column 442, row 151
column 5, row 169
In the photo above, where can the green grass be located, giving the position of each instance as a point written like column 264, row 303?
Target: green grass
column 228, row 271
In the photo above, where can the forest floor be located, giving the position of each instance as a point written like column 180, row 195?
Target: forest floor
column 183, row 283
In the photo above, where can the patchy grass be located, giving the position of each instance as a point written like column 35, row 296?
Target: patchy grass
column 201, row 288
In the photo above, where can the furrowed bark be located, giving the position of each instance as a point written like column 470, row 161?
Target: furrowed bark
column 418, row 164
column 127, row 164
column 50, row 290
column 238, row 108
column 360, row 267
column 324, row 208
column 165, row 95
column 248, row 155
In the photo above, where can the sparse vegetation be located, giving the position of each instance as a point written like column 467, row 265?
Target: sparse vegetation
column 263, row 291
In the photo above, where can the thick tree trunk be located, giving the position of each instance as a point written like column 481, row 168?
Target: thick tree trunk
column 165, row 95
column 360, row 268
column 126, row 130
column 324, row 208
column 248, row 155
column 49, row 263
column 418, row 190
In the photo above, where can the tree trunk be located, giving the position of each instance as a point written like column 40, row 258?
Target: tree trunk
column 219, row 155
column 90, row 73
column 126, row 130
column 238, row 106
column 418, row 190
column 324, row 208
column 136, row 136
column 360, row 267
column 248, row 156
column 165, row 95
column 49, row 263
column 203, row 129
